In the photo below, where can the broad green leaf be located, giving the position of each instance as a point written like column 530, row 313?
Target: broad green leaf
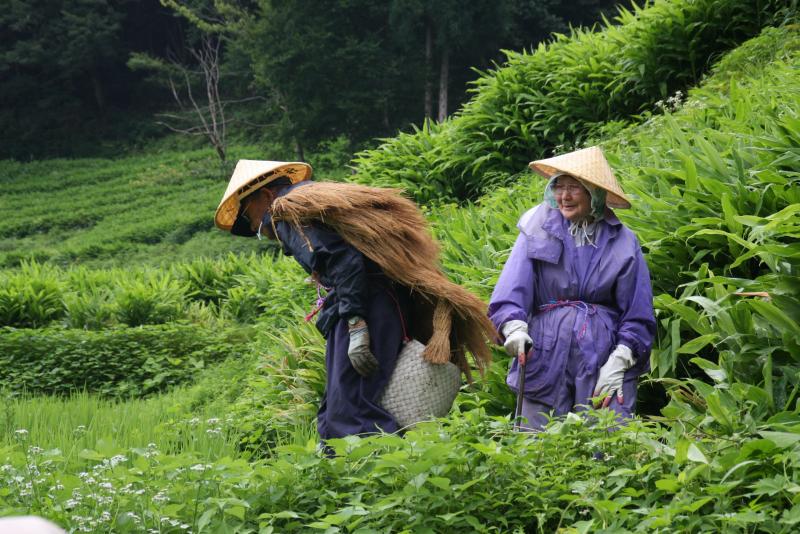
column 791, row 516
column 775, row 316
column 781, row 439
column 670, row 485
column 691, row 347
column 696, row 455
column 714, row 371
column 236, row 511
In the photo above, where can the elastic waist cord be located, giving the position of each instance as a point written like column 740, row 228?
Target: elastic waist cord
column 584, row 308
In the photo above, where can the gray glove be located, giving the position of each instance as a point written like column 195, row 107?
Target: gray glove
column 612, row 374
column 362, row 359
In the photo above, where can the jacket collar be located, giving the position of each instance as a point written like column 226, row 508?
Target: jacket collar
column 556, row 225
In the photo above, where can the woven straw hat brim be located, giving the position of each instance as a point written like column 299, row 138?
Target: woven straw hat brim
column 590, row 165
column 250, row 175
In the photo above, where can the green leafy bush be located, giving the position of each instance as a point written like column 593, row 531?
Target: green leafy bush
column 717, row 203
column 469, row 473
column 208, row 280
column 156, row 299
column 115, row 362
column 92, row 310
column 31, row 296
column 553, row 97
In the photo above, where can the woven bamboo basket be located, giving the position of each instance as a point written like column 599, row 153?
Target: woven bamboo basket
column 419, row 390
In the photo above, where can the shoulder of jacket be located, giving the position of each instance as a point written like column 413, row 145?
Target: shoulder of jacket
column 531, row 221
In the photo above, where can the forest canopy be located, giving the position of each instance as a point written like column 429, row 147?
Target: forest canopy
column 88, row 77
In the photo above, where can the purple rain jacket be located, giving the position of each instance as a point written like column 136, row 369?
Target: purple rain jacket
column 611, row 281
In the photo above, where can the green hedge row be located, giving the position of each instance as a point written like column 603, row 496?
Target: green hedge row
column 555, row 96
column 120, row 362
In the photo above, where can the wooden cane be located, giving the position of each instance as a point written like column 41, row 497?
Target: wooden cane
column 521, row 386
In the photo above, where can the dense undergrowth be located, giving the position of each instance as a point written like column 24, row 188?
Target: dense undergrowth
column 714, row 179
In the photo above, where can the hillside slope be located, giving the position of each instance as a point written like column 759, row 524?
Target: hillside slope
column 716, row 208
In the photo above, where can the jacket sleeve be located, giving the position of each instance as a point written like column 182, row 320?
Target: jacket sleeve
column 319, row 249
column 634, row 297
column 513, row 294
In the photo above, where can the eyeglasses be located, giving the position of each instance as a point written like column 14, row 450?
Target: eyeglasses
column 573, row 189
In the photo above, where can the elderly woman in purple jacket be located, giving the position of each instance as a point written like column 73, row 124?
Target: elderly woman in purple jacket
column 574, row 301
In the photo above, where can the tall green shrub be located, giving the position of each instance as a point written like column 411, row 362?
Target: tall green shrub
column 553, row 97
column 155, row 299
column 31, row 296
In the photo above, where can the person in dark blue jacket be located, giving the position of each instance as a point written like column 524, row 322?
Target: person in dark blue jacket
column 372, row 251
column 362, row 315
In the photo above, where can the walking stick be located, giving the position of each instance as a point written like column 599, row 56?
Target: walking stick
column 521, row 387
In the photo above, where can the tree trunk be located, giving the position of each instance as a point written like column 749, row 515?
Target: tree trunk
column 298, row 150
column 443, row 83
column 220, row 150
column 99, row 94
column 428, row 69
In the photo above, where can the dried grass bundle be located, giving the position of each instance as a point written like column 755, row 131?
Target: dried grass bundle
column 391, row 231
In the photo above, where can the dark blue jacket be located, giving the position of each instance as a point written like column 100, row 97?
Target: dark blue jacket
column 350, row 275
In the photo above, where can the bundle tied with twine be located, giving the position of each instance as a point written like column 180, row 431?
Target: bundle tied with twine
column 391, row 231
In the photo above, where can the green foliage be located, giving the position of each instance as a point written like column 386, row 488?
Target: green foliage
column 714, row 184
column 84, row 421
column 468, row 473
column 85, row 211
column 118, row 362
column 208, row 280
column 379, row 58
column 279, row 401
column 550, row 99
column 717, row 204
column 66, row 89
column 157, row 299
column 30, row 297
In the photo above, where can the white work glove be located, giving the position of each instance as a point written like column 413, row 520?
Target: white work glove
column 612, row 374
column 362, row 359
column 517, row 339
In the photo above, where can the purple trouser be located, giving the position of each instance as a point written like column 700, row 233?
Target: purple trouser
column 350, row 403
column 574, row 395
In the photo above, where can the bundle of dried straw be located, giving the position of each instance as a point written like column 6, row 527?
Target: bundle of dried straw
column 391, row 231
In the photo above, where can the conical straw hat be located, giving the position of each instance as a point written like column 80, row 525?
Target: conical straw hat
column 590, row 165
column 250, row 175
